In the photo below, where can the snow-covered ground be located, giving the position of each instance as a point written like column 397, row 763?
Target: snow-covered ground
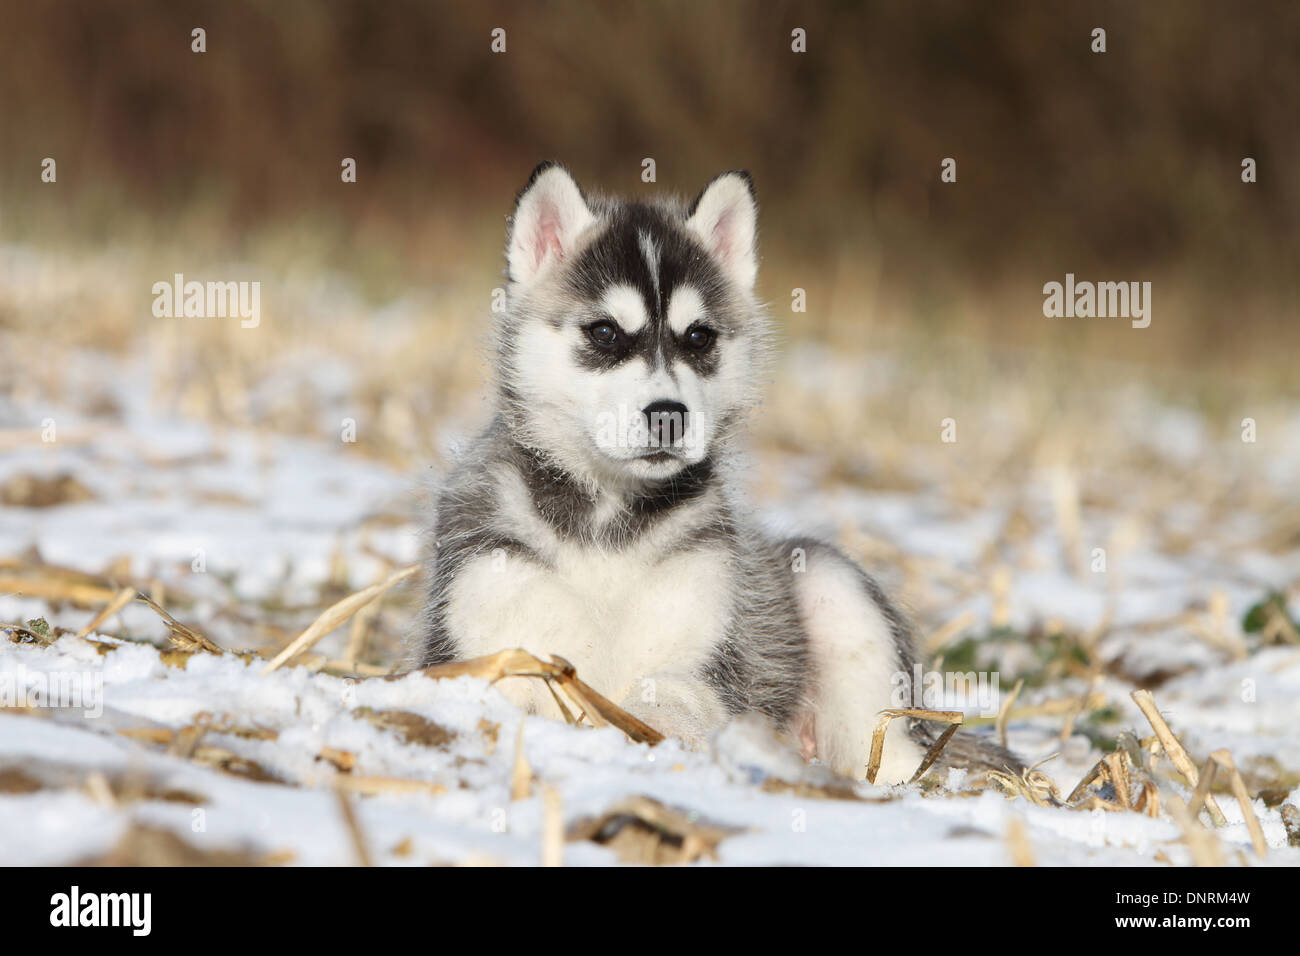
column 235, row 528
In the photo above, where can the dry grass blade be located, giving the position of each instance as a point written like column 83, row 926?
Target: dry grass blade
column 1125, row 774
column 152, row 735
column 1174, row 749
column 344, row 668
column 1203, row 786
column 182, row 636
column 1022, row 854
column 1096, row 802
column 58, row 589
column 357, row 635
column 521, row 777
column 1148, row 800
column 1082, row 786
column 185, row 742
column 1116, row 768
column 574, row 688
column 887, row 717
column 411, row 728
column 369, row 786
column 552, row 827
column 1032, row 784
column 1065, row 495
column 120, row 600
column 602, row 709
column 932, row 754
column 354, row 829
column 564, row 708
column 1001, row 723
column 1203, row 843
column 1081, row 706
column 1048, row 708
column 100, row 790
column 344, row 760
column 1278, row 628
column 878, row 744
column 1224, row 759
column 1213, row 629
column 337, row 614
column 517, row 662
column 508, row 663
column 1000, row 585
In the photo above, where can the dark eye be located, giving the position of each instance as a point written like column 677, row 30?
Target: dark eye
column 699, row 338
column 604, row 334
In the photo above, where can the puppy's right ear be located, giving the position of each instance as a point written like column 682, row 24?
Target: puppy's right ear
column 549, row 216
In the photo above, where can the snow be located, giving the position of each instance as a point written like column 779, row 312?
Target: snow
column 264, row 515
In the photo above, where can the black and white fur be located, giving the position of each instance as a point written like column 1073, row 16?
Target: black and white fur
column 574, row 525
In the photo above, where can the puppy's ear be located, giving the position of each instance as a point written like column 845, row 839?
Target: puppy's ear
column 725, row 217
column 550, row 214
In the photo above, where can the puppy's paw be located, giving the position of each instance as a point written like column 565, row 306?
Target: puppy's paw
column 688, row 710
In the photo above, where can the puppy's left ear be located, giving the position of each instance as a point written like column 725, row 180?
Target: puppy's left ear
column 725, row 217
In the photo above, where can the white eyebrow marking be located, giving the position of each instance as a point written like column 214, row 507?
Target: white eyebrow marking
column 650, row 250
column 626, row 307
column 684, row 307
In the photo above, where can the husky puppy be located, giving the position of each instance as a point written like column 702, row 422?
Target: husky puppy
column 596, row 518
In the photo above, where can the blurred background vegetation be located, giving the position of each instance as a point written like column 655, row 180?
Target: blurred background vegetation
column 1122, row 166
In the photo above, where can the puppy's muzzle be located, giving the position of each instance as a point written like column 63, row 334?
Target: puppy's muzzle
column 667, row 423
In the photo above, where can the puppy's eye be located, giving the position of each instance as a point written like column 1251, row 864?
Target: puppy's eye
column 604, row 334
column 699, row 338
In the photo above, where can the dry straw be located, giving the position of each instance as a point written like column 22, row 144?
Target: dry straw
column 951, row 717
column 336, row 615
column 556, row 672
column 1174, row 749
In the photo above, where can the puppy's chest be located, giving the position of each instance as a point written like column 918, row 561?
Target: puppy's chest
column 617, row 616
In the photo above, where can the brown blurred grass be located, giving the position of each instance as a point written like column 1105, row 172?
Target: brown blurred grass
column 1122, row 166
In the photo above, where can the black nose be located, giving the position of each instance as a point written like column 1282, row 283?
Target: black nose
column 667, row 421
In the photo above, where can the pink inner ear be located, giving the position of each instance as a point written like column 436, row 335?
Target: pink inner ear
column 547, row 238
column 722, row 237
